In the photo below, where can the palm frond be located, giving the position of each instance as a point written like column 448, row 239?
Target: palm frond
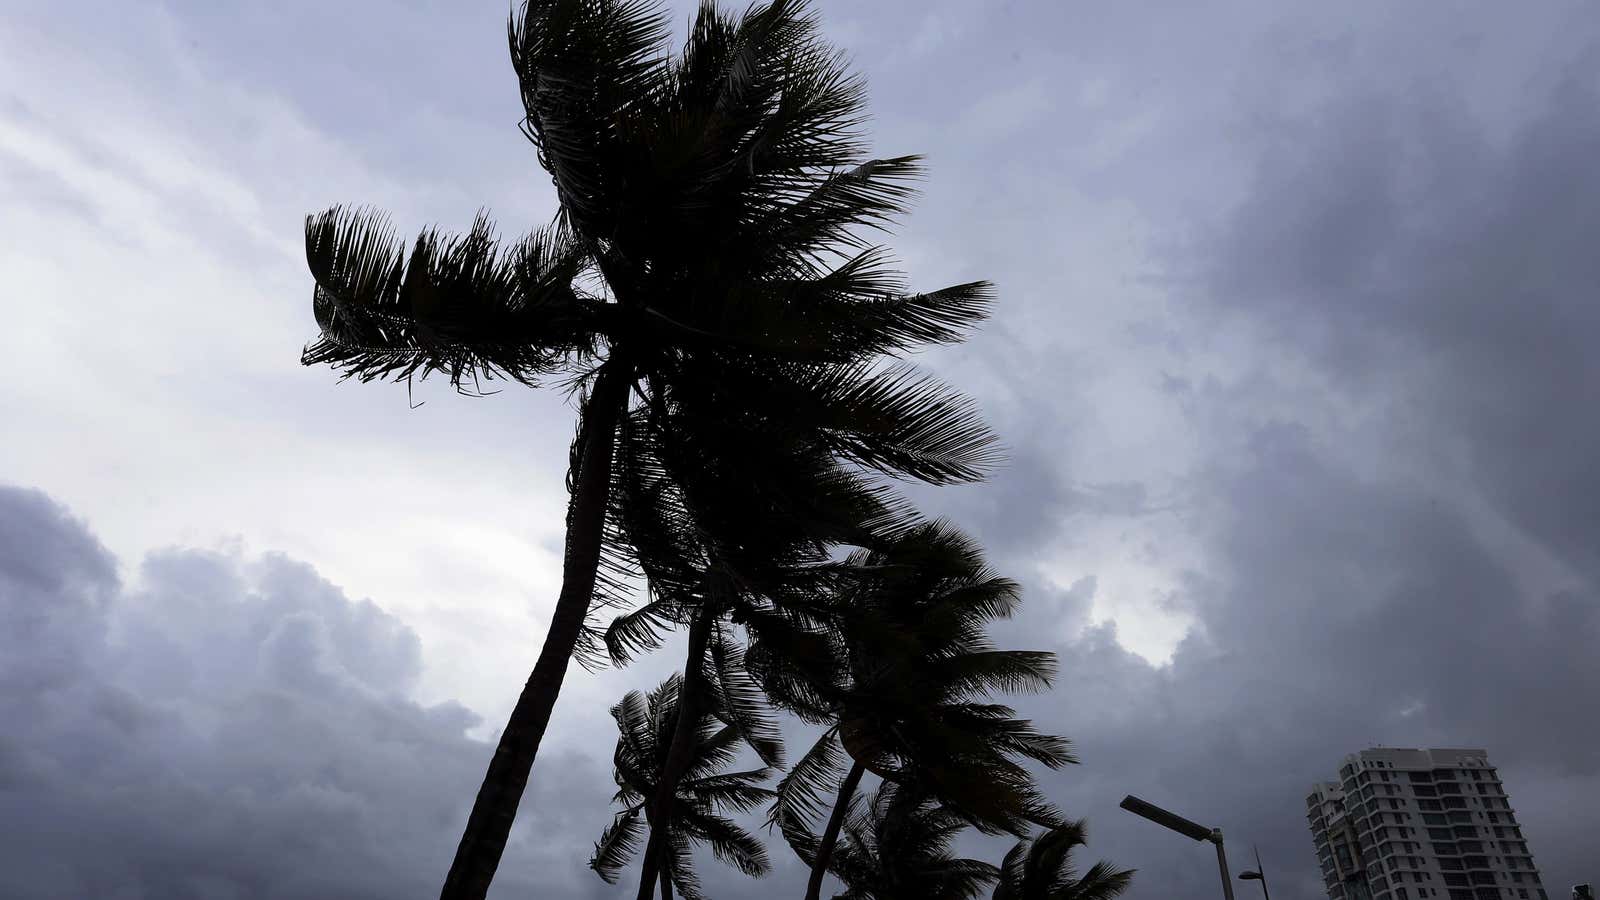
column 617, row 845
column 964, row 879
column 792, row 236
column 739, row 702
column 796, row 663
column 806, row 106
column 665, row 702
column 460, row 306
column 1004, row 732
column 677, row 863
column 971, row 603
column 1103, row 881
column 735, row 791
column 1013, row 870
column 1003, row 799
column 857, row 311
column 896, row 420
column 1041, row 868
column 804, row 793
column 629, row 563
column 899, row 845
column 634, row 730
column 730, row 843
column 635, row 632
column 588, row 69
column 1002, row 671
column 714, row 752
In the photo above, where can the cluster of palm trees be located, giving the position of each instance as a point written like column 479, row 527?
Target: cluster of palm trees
column 735, row 343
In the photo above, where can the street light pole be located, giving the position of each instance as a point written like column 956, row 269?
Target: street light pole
column 1186, row 828
column 1260, row 874
column 1222, row 863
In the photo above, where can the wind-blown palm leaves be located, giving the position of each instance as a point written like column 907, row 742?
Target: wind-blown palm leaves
column 1040, row 868
column 700, row 800
column 707, row 267
column 716, row 559
column 897, row 847
column 911, row 699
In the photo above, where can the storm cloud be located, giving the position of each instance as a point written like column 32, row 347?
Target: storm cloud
column 233, row 726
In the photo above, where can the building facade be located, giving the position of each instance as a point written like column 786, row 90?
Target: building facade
column 1403, row 824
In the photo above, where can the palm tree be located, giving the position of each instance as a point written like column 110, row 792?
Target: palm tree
column 910, row 703
column 897, row 847
column 645, row 723
column 719, row 560
column 706, row 265
column 1040, row 868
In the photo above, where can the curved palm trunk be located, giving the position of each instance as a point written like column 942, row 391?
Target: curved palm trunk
column 682, row 746
column 484, row 838
column 830, row 835
column 666, row 888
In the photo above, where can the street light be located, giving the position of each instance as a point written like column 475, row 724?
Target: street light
column 1259, row 874
column 1186, row 828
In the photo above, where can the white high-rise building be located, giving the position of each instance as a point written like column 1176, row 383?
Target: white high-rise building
column 1420, row 825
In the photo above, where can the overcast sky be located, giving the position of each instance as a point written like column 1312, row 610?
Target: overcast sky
column 1293, row 359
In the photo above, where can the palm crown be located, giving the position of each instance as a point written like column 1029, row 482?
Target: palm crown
column 1040, row 868
column 700, row 799
column 910, row 697
column 897, row 847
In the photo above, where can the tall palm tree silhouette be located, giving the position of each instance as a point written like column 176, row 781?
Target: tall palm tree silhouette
column 707, row 262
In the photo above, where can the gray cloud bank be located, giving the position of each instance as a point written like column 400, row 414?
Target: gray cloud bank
column 232, row 727
column 1397, row 508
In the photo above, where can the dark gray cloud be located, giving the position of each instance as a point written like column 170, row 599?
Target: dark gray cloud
column 1413, row 252
column 235, row 727
column 1342, row 612
column 1408, row 559
column 1394, row 490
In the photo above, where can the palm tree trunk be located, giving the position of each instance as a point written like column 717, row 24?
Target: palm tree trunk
column 830, row 835
column 666, row 888
column 489, row 825
column 682, row 746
